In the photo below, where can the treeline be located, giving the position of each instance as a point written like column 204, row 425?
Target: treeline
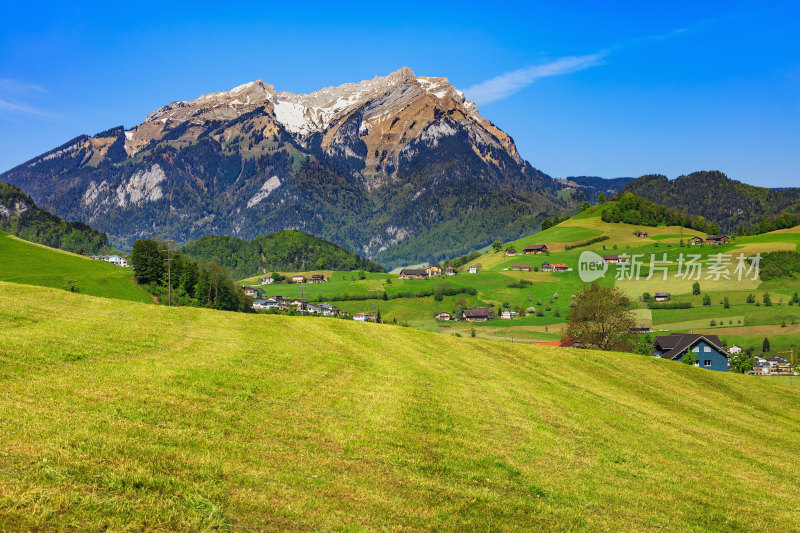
column 555, row 221
column 193, row 283
column 287, row 251
column 37, row 225
column 587, row 242
column 773, row 223
column 439, row 292
column 459, row 261
column 638, row 211
column 779, row 265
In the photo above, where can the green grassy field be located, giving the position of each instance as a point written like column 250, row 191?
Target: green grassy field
column 123, row 416
column 25, row 262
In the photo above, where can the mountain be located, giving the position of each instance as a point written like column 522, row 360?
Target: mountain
column 716, row 197
column 399, row 168
column 284, row 251
column 20, row 216
column 594, row 186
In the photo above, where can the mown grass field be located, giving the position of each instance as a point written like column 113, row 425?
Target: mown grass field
column 25, row 262
column 122, row 416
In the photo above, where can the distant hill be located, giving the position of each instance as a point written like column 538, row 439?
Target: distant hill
column 594, row 186
column 287, row 251
column 716, row 197
column 34, row 264
column 20, row 216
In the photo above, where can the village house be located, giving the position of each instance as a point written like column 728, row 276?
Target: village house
column 697, row 241
column 362, row 317
column 641, row 234
column 525, row 268
column 449, row 271
column 328, row 310
column 779, row 365
column 612, row 259
column 317, row 278
column 554, row 267
column 433, row 271
column 250, row 291
column 717, row 239
column 473, row 270
column 661, row 296
column 279, row 301
column 413, row 273
column 299, row 303
column 298, row 279
column 264, row 305
column 476, row 314
column 760, row 367
column 535, row 249
column 267, row 281
column 707, row 349
column 113, row 259
column 313, row 309
column 510, row 252
column 442, row 316
column 506, row 314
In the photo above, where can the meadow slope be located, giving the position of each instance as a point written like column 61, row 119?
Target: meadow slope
column 124, row 416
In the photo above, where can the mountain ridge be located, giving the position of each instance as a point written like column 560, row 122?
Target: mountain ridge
column 379, row 167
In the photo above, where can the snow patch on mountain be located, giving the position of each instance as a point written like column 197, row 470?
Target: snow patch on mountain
column 142, row 187
column 270, row 185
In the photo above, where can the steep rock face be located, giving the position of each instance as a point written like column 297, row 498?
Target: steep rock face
column 400, row 168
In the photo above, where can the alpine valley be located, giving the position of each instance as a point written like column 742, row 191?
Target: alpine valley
column 379, row 167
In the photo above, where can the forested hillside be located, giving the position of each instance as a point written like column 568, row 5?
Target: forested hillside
column 287, row 251
column 20, row 216
column 632, row 209
column 729, row 203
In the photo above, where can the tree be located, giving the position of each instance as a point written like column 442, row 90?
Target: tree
column 602, row 318
column 602, row 198
column 725, row 303
column 765, row 345
column 147, row 261
column 585, row 206
column 696, row 288
column 472, row 332
column 378, row 318
column 742, row 362
column 322, row 263
column 385, row 296
column 644, row 345
column 767, row 299
column 706, row 299
column 497, row 246
column 689, row 358
column 751, row 298
column 70, row 286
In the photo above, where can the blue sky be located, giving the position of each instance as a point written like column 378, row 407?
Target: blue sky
column 584, row 88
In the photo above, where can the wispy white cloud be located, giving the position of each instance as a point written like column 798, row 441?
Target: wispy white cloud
column 505, row 85
column 12, row 92
column 509, row 83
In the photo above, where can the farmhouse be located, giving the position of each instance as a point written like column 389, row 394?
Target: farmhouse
column 433, row 271
column 525, row 268
column 706, row 348
column 449, row 271
column 328, row 310
column 535, row 249
column 506, row 314
column 299, row 303
column 510, row 252
column 279, row 302
column 317, row 278
column 661, row 296
column 264, row 304
column 476, row 314
column 473, row 270
column 442, row 316
column 362, row 317
column 267, row 281
column 696, row 241
column 298, row 279
column 559, row 267
column 613, row 259
column 413, row 273
column 250, row 291
column 717, row 239
column 113, row 259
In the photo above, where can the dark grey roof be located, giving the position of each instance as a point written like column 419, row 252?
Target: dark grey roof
column 536, row 247
column 414, row 272
column 675, row 344
column 476, row 312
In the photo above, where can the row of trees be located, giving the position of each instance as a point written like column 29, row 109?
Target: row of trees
column 633, row 209
column 188, row 282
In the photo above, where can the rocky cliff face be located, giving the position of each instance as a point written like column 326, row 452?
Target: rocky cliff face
column 400, row 167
